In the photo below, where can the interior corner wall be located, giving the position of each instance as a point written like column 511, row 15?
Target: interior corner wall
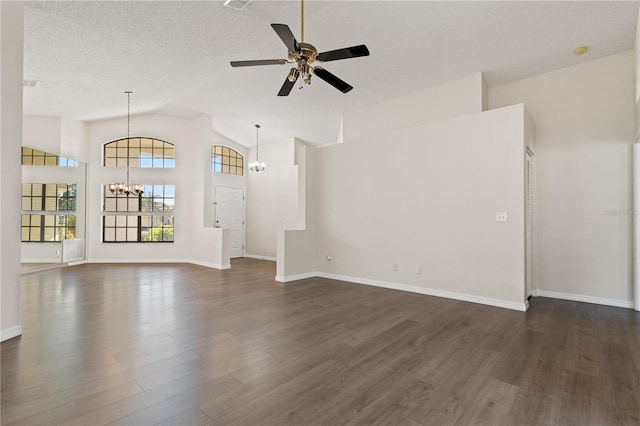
column 42, row 133
column 637, row 88
column 11, row 58
column 74, row 139
column 427, row 197
column 296, row 248
column 584, row 131
column 636, row 176
column 272, row 198
column 448, row 100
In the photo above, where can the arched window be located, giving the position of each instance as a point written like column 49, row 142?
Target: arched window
column 226, row 160
column 139, row 152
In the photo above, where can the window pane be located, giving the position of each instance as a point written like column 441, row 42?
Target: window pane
column 132, row 234
column 49, row 234
column 111, row 152
column 226, row 160
column 121, row 234
column 109, row 234
column 121, row 203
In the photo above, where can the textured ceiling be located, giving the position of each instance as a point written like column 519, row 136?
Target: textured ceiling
column 175, row 56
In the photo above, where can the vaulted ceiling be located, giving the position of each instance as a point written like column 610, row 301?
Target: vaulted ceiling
column 175, row 56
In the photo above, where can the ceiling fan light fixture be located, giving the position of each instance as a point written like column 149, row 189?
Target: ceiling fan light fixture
column 293, row 75
column 303, row 56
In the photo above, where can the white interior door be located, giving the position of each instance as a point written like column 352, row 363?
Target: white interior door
column 229, row 213
column 529, row 222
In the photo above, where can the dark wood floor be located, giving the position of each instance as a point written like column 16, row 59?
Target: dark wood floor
column 187, row 345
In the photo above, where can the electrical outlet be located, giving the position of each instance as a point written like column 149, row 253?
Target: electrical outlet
column 329, row 258
column 418, row 269
column 57, row 252
column 501, row 216
column 395, row 267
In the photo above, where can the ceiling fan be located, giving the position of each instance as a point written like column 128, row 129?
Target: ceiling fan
column 303, row 56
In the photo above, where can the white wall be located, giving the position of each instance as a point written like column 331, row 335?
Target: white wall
column 272, row 198
column 190, row 139
column 42, row 133
column 74, row 135
column 296, row 249
column 11, row 55
column 55, row 135
column 584, row 130
column 41, row 252
column 451, row 99
column 636, row 179
column 637, row 68
column 428, row 196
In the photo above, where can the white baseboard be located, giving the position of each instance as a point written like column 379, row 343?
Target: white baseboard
column 139, row 260
column 78, row 262
column 210, row 265
column 619, row 303
column 430, row 292
column 10, row 333
column 255, row 256
column 43, row 260
column 290, row 278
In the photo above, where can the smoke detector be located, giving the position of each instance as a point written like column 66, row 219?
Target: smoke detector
column 236, row 4
column 30, row 83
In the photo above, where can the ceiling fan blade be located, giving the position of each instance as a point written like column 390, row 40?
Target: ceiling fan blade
column 287, row 86
column 336, row 82
column 346, row 53
column 258, row 62
column 287, row 37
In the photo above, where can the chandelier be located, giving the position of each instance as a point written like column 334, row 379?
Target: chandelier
column 127, row 188
column 256, row 166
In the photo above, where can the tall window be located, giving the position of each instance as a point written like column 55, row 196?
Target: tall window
column 139, row 152
column 144, row 218
column 48, row 212
column 226, row 160
column 34, row 157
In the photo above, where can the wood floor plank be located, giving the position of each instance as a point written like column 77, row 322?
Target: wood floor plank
column 181, row 344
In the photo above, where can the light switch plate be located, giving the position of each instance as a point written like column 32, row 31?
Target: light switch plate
column 501, row 216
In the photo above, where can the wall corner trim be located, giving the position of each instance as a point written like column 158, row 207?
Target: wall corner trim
column 210, row 265
column 291, row 278
column 255, row 256
column 10, row 333
column 618, row 303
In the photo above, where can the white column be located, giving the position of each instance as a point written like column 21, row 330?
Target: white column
column 11, row 53
column 636, row 225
